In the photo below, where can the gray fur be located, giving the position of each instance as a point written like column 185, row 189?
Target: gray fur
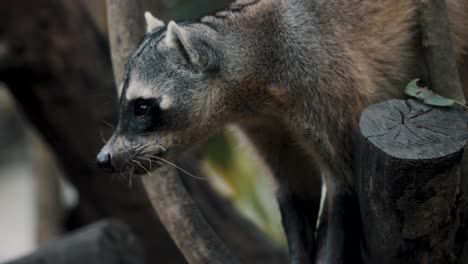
column 307, row 67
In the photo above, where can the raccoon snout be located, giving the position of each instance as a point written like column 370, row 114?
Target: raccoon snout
column 104, row 160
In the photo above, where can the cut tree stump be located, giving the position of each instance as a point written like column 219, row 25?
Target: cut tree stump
column 407, row 164
column 106, row 242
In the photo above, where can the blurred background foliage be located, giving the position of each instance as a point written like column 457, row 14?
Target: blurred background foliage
column 236, row 173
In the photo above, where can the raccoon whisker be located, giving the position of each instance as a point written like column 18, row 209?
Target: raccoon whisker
column 130, row 179
column 127, row 171
column 177, row 167
column 109, row 124
column 161, row 164
column 150, row 163
column 142, row 148
column 131, row 176
column 102, row 138
column 121, row 167
column 151, row 147
column 161, row 147
column 141, row 166
column 155, row 161
column 138, row 148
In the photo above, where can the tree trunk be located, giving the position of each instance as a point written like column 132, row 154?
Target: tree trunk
column 408, row 160
column 438, row 49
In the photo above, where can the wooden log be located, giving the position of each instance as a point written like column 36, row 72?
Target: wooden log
column 105, row 242
column 126, row 25
column 408, row 181
column 194, row 236
column 438, row 49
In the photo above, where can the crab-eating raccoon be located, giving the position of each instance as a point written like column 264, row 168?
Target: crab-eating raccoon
column 294, row 75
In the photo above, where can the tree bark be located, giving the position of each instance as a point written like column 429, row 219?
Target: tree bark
column 408, row 163
column 196, row 239
column 126, row 25
column 438, row 49
column 440, row 61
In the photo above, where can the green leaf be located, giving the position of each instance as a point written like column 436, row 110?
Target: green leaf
column 437, row 100
column 412, row 88
column 427, row 96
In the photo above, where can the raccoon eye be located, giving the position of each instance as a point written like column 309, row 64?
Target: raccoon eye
column 141, row 108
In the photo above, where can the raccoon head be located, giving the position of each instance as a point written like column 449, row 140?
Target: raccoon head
column 173, row 95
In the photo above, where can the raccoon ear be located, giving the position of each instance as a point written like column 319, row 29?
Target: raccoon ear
column 152, row 22
column 196, row 54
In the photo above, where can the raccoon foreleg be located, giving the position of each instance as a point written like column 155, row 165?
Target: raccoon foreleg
column 342, row 236
column 299, row 185
column 297, row 217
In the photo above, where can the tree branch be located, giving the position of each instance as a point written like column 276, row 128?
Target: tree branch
column 184, row 222
column 126, row 27
column 104, row 242
column 438, row 49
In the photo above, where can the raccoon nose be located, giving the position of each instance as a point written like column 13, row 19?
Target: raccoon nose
column 103, row 160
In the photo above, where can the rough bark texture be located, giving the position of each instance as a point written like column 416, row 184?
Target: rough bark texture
column 98, row 10
column 438, row 50
column 126, row 25
column 105, row 242
column 187, row 226
column 464, row 171
column 408, row 164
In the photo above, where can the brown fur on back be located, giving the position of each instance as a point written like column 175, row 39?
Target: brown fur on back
column 384, row 40
column 373, row 49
